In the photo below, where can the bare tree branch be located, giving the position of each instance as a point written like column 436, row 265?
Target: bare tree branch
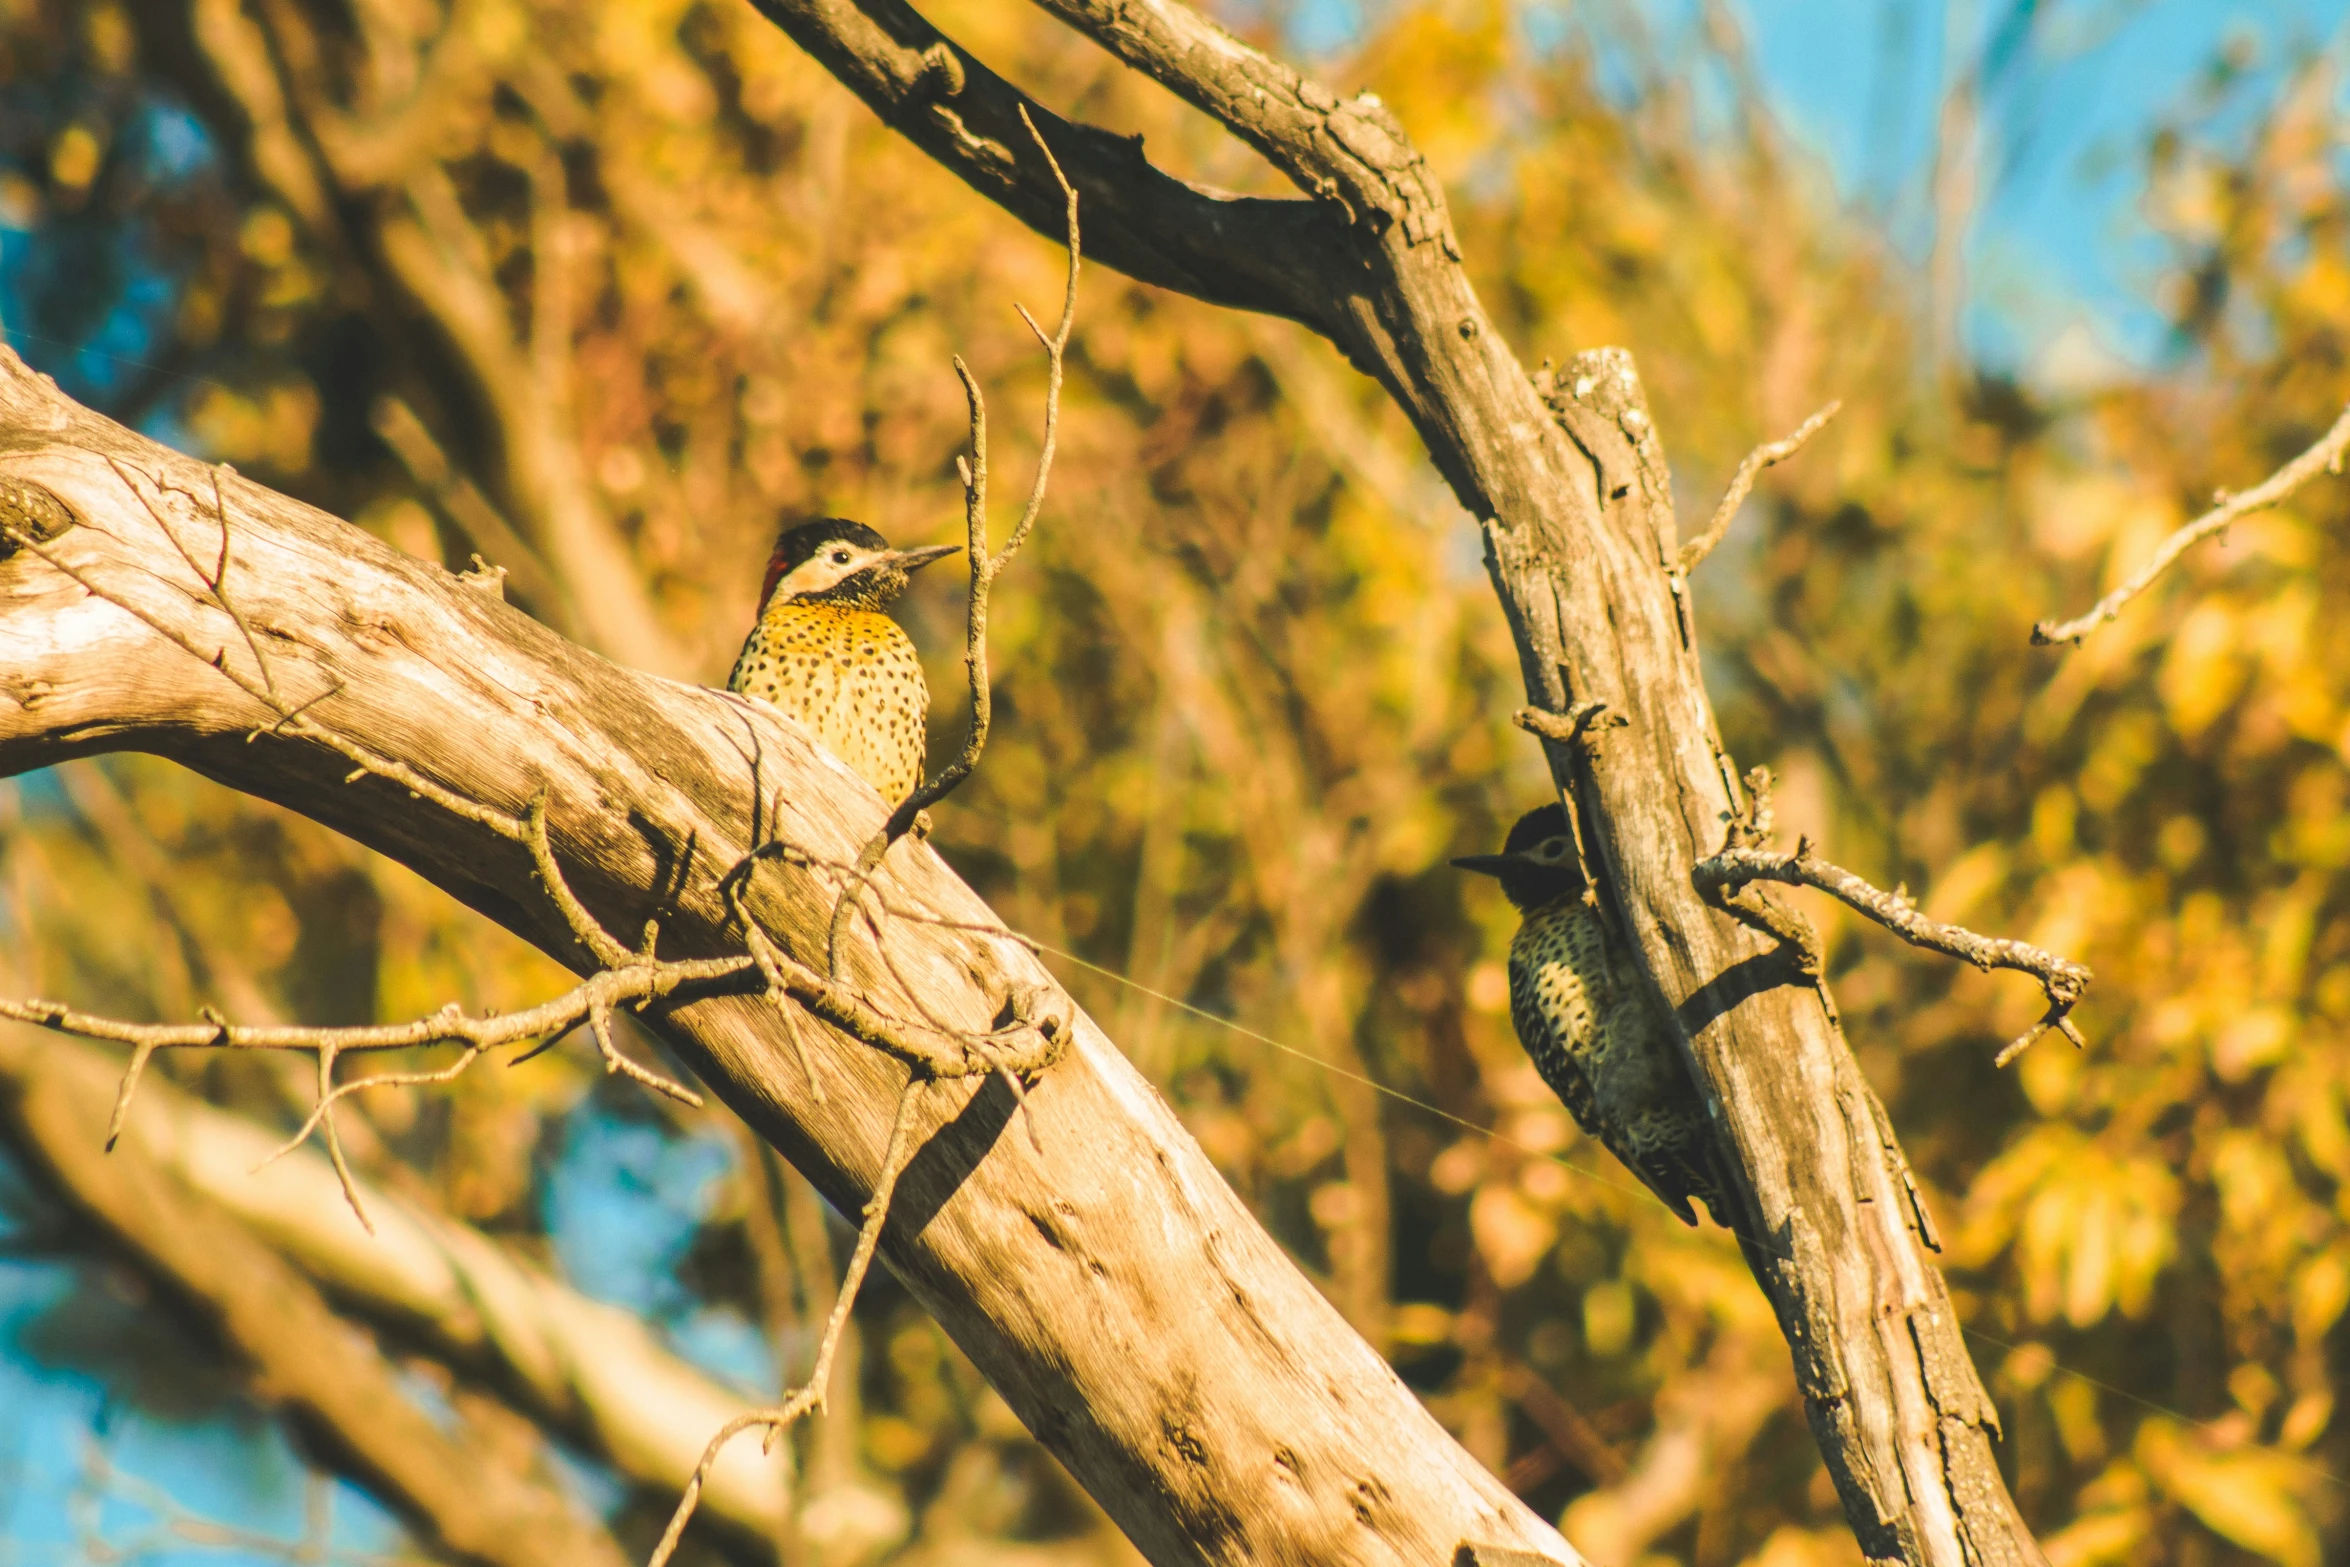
column 1352, row 153
column 1742, row 483
column 986, row 566
column 1248, row 252
column 809, row 1398
column 2326, row 456
column 2064, row 980
column 986, row 563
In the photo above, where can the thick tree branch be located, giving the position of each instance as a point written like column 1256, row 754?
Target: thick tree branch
column 1243, row 251
column 1112, row 1287
column 1352, row 153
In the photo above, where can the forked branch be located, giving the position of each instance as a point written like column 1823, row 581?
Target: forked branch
column 985, row 567
column 2326, row 456
column 987, row 563
column 2064, row 980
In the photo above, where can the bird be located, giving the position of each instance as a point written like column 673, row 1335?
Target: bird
column 1586, row 1016
column 826, row 652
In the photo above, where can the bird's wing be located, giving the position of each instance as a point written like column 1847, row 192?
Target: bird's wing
column 1539, row 1031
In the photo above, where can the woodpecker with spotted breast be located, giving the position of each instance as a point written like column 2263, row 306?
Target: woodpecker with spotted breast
column 826, row 651
column 1585, row 1014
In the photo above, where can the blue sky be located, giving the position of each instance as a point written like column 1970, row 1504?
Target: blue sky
column 2057, row 237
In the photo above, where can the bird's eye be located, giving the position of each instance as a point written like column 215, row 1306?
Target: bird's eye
column 1553, row 849
column 840, row 557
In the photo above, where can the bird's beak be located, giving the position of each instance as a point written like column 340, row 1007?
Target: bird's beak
column 915, row 560
column 1485, row 864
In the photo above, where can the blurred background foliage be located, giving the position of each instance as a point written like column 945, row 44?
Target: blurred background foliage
column 601, row 292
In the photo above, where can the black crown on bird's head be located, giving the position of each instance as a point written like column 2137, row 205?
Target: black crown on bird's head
column 835, row 561
column 1537, row 863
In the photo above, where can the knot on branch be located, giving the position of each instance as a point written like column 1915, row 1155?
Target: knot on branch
column 1581, row 725
column 1598, row 380
column 938, row 72
column 485, row 579
column 30, row 513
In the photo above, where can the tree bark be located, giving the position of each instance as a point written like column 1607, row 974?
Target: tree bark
column 1568, row 478
column 1111, row 1286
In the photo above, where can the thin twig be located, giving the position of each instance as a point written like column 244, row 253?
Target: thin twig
column 770, row 960
column 1742, row 483
column 637, row 983
column 591, row 935
column 2062, row 979
column 2325, row 456
column 600, row 1024
column 971, row 1039
column 438, row 1075
column 985, row 567
column 986, row 563
column 783, row 975
column 324, row 1118
column 607, row 988
column 220, row 579
column 810, row 1397
column 845, row 1009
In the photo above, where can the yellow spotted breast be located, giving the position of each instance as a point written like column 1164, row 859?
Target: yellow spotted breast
column 853, row 677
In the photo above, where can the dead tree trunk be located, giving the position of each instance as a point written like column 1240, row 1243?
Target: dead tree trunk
column 1568, row 478
column 1110, row 1285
